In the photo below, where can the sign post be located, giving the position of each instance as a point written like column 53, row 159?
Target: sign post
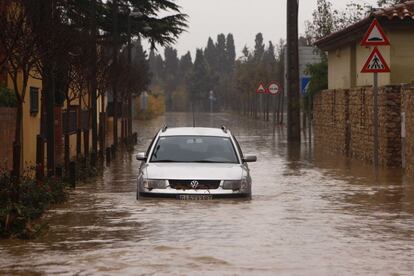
column 304, row 91
column 274, row 89
column 260, row 91
column 376, row 123
column 376, row 63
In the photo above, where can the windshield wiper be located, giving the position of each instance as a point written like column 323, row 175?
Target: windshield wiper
column 199, row 161
column 165, row 161
column 210, row 161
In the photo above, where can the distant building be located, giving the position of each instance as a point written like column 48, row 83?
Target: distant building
column 307, row 56
column 346, row 57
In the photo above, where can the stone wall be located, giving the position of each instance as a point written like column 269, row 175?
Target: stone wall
column 330, row 117
column 343, row 123
column 408, row 109
column 7, row 127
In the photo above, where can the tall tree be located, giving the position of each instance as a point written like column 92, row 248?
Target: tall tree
column 322, row 23
column 170, row 74
column 259, row 48
column 210, row 54
column 231, row 52
column 199, row 83
column 18, row 42
column 221, row 54
column 385, row 3
column 186, row 66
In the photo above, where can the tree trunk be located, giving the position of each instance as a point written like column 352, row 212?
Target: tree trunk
column 49, row 90
column 67, row 139
column 115, row 66
column 93, row 83
column 86, row 143
column 17, row 145
column 79, row 129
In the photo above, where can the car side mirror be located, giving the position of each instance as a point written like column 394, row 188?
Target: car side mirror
column 250, row 158
column 141, row 156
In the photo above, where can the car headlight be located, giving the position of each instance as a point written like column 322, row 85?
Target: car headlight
column 155, row 184
column 232, row 185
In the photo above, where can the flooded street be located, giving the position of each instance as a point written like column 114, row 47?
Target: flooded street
column 309, row 215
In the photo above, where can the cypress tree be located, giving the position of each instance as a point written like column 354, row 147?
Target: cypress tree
column 231, row 52
column 199, row 83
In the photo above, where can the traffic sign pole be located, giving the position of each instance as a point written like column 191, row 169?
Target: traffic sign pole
column 375, row 64
column 309, row 111
column 376, row 126
column 274, row 115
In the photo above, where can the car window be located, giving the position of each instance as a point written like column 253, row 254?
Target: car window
column 199, row 149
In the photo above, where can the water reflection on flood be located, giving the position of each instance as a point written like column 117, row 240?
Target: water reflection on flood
column 310, row 214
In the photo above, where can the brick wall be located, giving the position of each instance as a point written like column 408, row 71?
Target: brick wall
column 408, row 109
column 344, row 123
column 7, row 126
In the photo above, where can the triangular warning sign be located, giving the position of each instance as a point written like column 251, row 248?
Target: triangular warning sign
column 375, row 35
column 261, row 89
column 376, row 63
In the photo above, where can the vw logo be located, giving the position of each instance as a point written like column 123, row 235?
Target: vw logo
column 194, row 184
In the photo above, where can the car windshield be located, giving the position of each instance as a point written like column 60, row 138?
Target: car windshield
column 194, row 149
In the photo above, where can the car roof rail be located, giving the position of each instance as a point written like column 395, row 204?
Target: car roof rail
column 224, row 129
column 164, row 128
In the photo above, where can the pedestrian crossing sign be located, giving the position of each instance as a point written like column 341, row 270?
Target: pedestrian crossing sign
column 376, row 63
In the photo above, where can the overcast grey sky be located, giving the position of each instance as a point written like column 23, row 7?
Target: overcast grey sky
column 243, row 18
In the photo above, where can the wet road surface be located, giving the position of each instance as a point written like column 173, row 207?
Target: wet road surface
column 309, row 215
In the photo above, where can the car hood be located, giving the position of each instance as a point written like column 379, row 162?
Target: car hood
column 194, row 171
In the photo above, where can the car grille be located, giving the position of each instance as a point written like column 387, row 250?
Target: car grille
column 202, row 184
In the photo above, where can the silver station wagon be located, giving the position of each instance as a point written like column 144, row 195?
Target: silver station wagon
column 194, row 164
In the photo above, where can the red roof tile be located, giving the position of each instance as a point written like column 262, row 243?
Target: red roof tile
column 400, row 11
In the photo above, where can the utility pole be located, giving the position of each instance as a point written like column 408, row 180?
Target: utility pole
column 114, row 69
column 292, row 74
column 93, row 82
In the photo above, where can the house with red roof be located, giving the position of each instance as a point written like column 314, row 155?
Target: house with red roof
column 346, row 56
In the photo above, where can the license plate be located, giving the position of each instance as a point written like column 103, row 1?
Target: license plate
column 195, row 197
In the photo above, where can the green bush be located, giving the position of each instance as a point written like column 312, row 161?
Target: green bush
column 7, row 97
column 24, row 201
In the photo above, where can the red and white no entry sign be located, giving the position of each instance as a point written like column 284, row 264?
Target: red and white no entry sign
column 275, row 88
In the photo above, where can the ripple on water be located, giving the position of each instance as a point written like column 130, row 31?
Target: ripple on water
column 310, row 215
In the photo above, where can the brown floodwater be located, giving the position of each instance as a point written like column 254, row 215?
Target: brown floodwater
column 310, row 214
